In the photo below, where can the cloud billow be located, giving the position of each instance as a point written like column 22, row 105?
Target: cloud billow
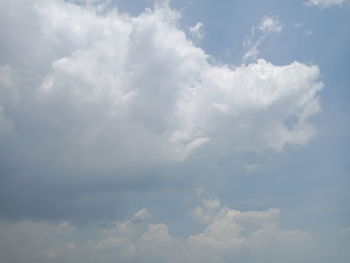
column 112, row 90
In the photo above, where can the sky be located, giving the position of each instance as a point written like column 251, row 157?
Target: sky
column 174, row 131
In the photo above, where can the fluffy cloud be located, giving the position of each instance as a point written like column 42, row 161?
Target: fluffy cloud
column 324, row 3
column 228, row 235
column 109, row 90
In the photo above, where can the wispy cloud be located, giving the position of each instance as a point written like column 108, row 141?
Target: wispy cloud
column 197, row 31
column 324, row 3
column 269, row 25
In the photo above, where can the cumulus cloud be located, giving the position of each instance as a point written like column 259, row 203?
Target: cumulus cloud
column 324, row 3
column 228, row 235
column 109, row 90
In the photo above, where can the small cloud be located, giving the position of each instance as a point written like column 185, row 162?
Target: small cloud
column 197, row 31
column 142, row 215
column 324, row 3
column 308, row 33
column 251, row 167
column 65, row 227
column 269, row 25
column 206, row 212
column 200, row 191
column 298, row 25
column 211, row 203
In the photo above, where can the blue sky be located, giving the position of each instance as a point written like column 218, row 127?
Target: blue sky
column 174, row 131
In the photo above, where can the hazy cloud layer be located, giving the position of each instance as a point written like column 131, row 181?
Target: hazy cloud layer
column 230, row 234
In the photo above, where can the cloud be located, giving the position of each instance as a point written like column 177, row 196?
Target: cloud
column 324, row 3
column 111, row 90
column 206, row 212
column 9, row 96
column 197, row 31
column 232, row 233
column 228, row 235
column 268, row 25
column 142, row 215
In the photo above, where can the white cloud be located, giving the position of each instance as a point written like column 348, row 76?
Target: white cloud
column 197, row 31
column 324, row 3
column 207, row 211
column 229, row 234
column 268, row 25
column 114, row 90
column 142, row 215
